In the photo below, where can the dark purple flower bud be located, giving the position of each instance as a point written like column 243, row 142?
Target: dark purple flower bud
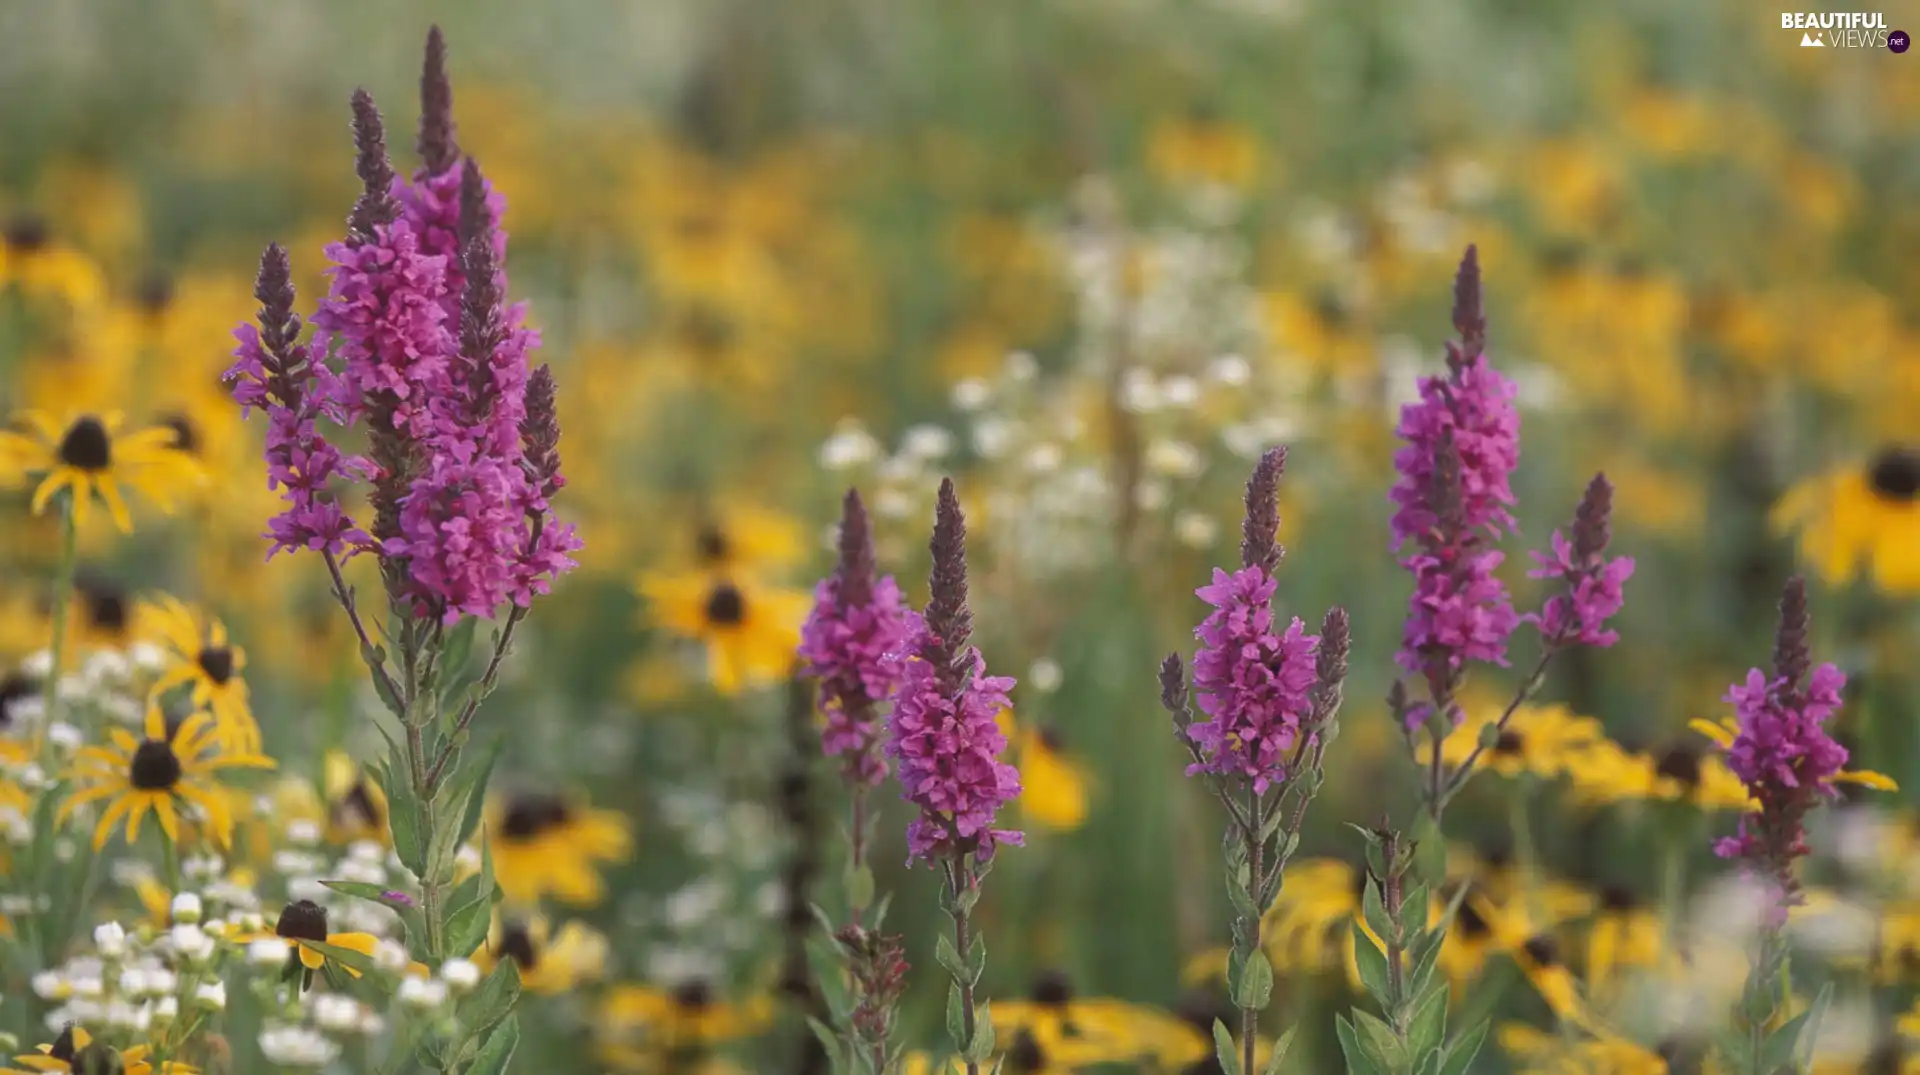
column 1469, row 318
column 1259, row 533
column 1330, row 663
column 540, row 432
column 376, row 205
column 949, row 622
column 396, row 897
column 1792, row 650
column 436, row 144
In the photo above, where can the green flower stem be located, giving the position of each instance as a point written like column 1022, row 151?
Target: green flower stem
column 62, row 607
column 1256, row 845
column 962, row 889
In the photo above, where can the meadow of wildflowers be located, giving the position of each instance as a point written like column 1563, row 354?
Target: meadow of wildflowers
column 699, row 538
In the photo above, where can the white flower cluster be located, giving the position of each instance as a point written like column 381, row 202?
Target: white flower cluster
column 133, row 982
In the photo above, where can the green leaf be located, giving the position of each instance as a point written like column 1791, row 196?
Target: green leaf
column 477, row 797
column 1414, row 905
column 404, row 818
column 949, row 957
column 860, row 888
column 467, row 927
column 493, row 1057
column 1358, row 1062
column 492, row 1002
column 1777, row 1051
column 1280, row 1048
column 956, row 1017
column 829, row 1041
column 1422, row 957
column 1464, row 1048
column 1223, row 1050
column 455, row 651
column 1427, row 1029
column 376, row 659
column 406, row 909
column 980, row 1049
column 1255, row 985
column 1238, row 894
column 977, row 958
column 1374, row 910
column 346, row 957
column 1816, row 1014
column 1374, row 973
column 1379, row 1042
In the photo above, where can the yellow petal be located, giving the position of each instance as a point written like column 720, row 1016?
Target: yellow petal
column 1713, row 730
column 1866, row 778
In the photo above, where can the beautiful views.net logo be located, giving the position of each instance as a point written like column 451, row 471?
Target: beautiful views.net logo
column 1839, row 29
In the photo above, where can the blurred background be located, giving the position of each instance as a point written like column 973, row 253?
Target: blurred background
column 1089, row 257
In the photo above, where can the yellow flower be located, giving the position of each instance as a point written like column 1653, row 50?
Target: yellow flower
column 76, row 1051
column 356, row 807
column 641, row 1025
column 303, row 921
column 1053, row 787
column 1608, row 773
column 1541, row 1052
column 742, row 537
column 548, row 962
column 1724, row 730
column 1201, row 147
column 749, row 632
column 205, row 660
column 1861, row 520
column 40, row 267
column 1626, row 934
column 167, row 768
column 87, row 456
column 542, row 845
column 1053, row 1030
column 1545, row 740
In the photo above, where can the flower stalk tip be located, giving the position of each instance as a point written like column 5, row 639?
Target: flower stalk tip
column 376, row 205
column 436, row 143
column 1259, row 532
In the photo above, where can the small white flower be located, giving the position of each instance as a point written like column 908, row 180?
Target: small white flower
column 849, row 446
column 110, row 938
column 1043, row 458
column 971, row 394
column 191, row 942
column 1174, row 458
column 133, row 982
column 1195, row 529
column 147, row 656
column 368, row 851
column 213, row 996
column 1044, row 675
column 467, row 860
column 35, row 665
column 297, row 1046
column 891, row 504
column 331, row 1011
column 390, row 957
column 166, row 1008
column 460, row 974
column 186, row 907
column 267, row 952
column 1020, row 366
column 1150, row 495
column 303, row 831
column 992, row 437
column 926, row 441
column 422, row 993
column 50, row 985
column 65, row 736
column 1180, row 390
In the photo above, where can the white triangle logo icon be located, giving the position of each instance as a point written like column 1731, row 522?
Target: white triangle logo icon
column 1808, row 41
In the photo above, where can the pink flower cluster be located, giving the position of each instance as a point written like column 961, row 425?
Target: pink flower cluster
column 1454, row 491
column 854, row 649
column 947, row 752
column 1255, row 683
column 436, row 366
column 1593, row 595
column 1782, row 752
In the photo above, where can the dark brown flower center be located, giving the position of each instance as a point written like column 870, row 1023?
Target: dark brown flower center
column 217, row 663
column 1680, row 763
column 14, row 689
column 154, row 293
column 62, row 1048
column 1025, row 1055
column 1542, row 950
column 86, row 445
column 1472, row 926
column 726, row 606
column 302, row 920
column 155, row 767
column 516, row 943
column 530, row 815
column 707, row 332
column 693, row 995
column 26, row 232
column 96, row 1059
column 1510, row 743
column 106, row 605
column 1052, row 989
column 355, row 806
column 1894, row 474
column 713, row 544
column 185, row 437
column 1618, row 898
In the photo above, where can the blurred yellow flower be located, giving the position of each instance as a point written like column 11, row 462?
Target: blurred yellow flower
column 157, row 774
column 749, row 632
column 86, row 455
column 548, row 962
column 546, row 845
column 1860, row 520
column 203, row 659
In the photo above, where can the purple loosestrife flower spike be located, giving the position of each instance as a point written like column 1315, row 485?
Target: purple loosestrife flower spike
column 852, row 643
column 276, row 373
column 943, row 736
column 1782, row 751
column 376, row 205
column 1593, row 583
column 1254, row 681
column 1330, row 663
column 1259, row 544
column 437, row 148
column 1173, row 694
column 1453, row 495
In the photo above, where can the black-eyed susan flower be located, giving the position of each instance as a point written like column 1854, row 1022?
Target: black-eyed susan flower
column 304, row 921
column 1542, row 1052
column 643, row 1027
column 202, row 658
column 1541, row 740
column 87, row 456
column 76, row 1051
column 1202, row 146
column 356, row 807
column 1609, row 773
column 1861, row 520
column 548, row 962
column 1625, row 934
column 1053, row 785
column 156, row 774
column 104, row 613
column 743, row 537
column 545, row 845
column 1054, row 1030
column 40, row 266
column 749, row 631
